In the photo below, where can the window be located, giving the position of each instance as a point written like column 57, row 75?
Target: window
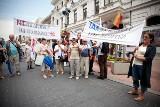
column 57, row 7
column 61, row 21
column 75, row 16
column 53, row 20
column 57, row 22
column 84, row 11
column 154, row 20
column 62, row 3
column 96, row 6
column 107, row 2
column 68, row 20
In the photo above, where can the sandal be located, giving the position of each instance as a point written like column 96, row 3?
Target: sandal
column 133, row 93
column 2, row 77
column 139, row 98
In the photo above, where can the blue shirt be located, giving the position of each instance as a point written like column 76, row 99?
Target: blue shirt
column 13, row 49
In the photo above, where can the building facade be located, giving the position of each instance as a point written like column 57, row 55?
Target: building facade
column 133, row 11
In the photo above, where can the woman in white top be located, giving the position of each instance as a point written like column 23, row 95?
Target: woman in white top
column 27, row 54
column 141, row 66
column 59, row 52
column 44, row 49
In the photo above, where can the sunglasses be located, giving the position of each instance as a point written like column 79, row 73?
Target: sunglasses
column 146, row 37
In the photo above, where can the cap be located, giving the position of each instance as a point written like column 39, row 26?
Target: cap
column 84, row 40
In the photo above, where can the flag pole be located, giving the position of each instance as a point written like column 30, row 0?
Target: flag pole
column 100, row 21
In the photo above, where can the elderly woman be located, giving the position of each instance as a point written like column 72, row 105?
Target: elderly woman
column 27, row 55
column 44, row 49
column 59, row 52
column 141, row 66
column 2, row 57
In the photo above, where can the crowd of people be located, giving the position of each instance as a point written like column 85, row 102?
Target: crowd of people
column 80, row 54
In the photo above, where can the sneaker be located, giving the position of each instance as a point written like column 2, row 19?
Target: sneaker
column 31, row 68
column 71, row 77
column 44, row 76
column 105, row 77
column 2, row 77
column 100, row 77
column 91, row 73
column 86, row 77
column 62, row 73
column 51, row 75
column 77, row 78
column 57, row 72
column 19, row 74
column 11, row 75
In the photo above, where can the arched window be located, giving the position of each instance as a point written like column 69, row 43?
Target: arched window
column 153, row 20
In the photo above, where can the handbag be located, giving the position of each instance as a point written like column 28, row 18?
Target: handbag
column 63, row 58
column 39, row 59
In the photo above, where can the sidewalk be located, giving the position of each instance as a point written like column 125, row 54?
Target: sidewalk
column 155, row 77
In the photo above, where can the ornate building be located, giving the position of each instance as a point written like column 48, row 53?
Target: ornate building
column 133, row 11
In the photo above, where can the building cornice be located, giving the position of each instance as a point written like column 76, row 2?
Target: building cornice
column 142, row 5
column 53, row 2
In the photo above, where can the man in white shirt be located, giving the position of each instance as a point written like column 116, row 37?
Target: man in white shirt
column 79, row 40
column 102, row 61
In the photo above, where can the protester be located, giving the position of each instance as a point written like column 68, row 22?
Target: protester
column 2, row 57
column 79, row 40
column 73, row 56
column 140, row 68
column 13, row 54
column 103, row 49
column 53, row 46
column 44, row 49
column 85, row 55
column 27, row 55
column 20, row 50
column 59, row 53
column 66, row 46
column 94, row 53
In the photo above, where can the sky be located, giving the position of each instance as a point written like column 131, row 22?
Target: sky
column 25, row 9
column 28, row 10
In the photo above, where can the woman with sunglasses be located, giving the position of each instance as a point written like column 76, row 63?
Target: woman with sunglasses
column 140, row 69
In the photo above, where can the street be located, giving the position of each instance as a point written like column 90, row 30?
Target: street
column 31, row 90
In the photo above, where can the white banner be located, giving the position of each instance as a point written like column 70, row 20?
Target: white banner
column 35, row 30
column 127, row 36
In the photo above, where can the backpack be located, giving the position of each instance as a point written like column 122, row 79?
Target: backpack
column 8, row 47
column 105, row 48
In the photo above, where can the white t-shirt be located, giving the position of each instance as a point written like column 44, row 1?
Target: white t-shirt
column 99, row 45
column 141, row 51
column 28, row 50
column 58, row 54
